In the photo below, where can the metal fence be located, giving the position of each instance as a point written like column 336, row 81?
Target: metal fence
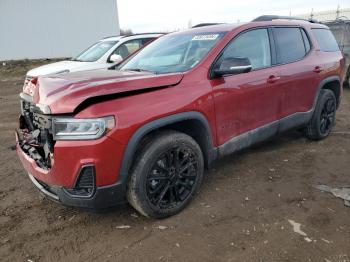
column 341, row 31
column 326, row 16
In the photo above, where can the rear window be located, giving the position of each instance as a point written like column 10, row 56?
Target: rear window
column 290, row 44
column 326, row 40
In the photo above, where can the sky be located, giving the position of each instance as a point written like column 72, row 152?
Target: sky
column 169, row 15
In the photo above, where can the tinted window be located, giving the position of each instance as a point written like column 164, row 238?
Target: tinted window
column 128, row 48
column 253, row 45
column 306, row 41
column 95, row 52
column 147, row 40
column 326, row 40
column 290, row 45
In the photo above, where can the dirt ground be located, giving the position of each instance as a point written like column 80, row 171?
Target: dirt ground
column 242, row 212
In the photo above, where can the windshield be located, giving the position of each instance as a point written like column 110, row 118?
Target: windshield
column 173, row 53
column 95, row 52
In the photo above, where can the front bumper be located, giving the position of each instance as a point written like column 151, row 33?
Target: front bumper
column 103, row 197
column 69, row 158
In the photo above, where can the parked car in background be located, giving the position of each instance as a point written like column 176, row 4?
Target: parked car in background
column 145, row 132
column 103, row 54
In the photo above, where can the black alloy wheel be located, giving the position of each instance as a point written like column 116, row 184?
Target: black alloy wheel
column 172, row 177
column 167, row 173
column 327, row 116
column 323, row 117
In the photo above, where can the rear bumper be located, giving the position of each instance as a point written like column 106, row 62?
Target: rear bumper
column 103, row 197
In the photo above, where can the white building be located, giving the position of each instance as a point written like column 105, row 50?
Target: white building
column 54, row 28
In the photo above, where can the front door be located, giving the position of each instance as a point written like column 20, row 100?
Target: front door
column 247, row 101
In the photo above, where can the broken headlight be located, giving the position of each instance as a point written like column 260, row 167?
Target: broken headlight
column 81, row 129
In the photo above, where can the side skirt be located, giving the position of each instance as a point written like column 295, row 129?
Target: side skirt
column 263, row 133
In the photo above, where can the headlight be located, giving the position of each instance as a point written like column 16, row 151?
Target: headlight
column 81, row 129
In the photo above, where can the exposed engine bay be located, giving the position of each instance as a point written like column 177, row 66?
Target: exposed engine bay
column 35, row 135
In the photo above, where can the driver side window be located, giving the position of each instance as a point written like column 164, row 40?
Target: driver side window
column 128, row 48
column 254, row 45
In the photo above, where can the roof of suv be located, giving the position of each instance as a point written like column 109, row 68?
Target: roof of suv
column 127, row 37
column 275, row 22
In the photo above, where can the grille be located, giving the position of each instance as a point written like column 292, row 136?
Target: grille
column 85, row 185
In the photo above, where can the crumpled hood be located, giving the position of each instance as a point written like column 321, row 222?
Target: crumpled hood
column 63, row 93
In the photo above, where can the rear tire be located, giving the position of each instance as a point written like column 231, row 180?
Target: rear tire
column 323, row 118
column 166, row 174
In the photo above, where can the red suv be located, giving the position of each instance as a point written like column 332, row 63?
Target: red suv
column 146, row 132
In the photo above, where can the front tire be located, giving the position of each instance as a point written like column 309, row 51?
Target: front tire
column 323, row 118
column 167, row 173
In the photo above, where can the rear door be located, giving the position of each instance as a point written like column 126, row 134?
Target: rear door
column 247, row 101
column 296, row 68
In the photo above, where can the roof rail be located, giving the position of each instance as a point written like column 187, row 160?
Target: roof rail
column 277, row 17
column 205, row 24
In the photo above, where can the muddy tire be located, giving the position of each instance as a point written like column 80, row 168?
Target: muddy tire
column 167, row 173
column 323, row 118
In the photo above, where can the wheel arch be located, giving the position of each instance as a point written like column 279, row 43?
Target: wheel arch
column 194, row 124
column 332, row 83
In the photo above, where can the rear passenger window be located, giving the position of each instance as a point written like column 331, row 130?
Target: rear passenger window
column 326, row 40
column 290, row 44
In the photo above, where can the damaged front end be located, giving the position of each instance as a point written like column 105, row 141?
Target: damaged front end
column 35, row 132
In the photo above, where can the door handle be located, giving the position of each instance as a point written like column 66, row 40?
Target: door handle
column 317, row 69
column 272, row 79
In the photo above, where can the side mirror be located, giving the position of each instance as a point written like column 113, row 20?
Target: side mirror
column 115, row 58
column 232, row 66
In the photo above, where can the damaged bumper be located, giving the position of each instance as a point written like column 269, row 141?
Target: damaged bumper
column 103, row 197
column 82, row 174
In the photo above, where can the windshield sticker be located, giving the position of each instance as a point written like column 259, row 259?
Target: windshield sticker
column 205, row 37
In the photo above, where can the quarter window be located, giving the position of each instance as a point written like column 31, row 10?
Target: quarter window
column 290, row 44
column 326, row 40
column 254, row 45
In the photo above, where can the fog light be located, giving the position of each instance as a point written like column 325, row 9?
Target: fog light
column 85, row 185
